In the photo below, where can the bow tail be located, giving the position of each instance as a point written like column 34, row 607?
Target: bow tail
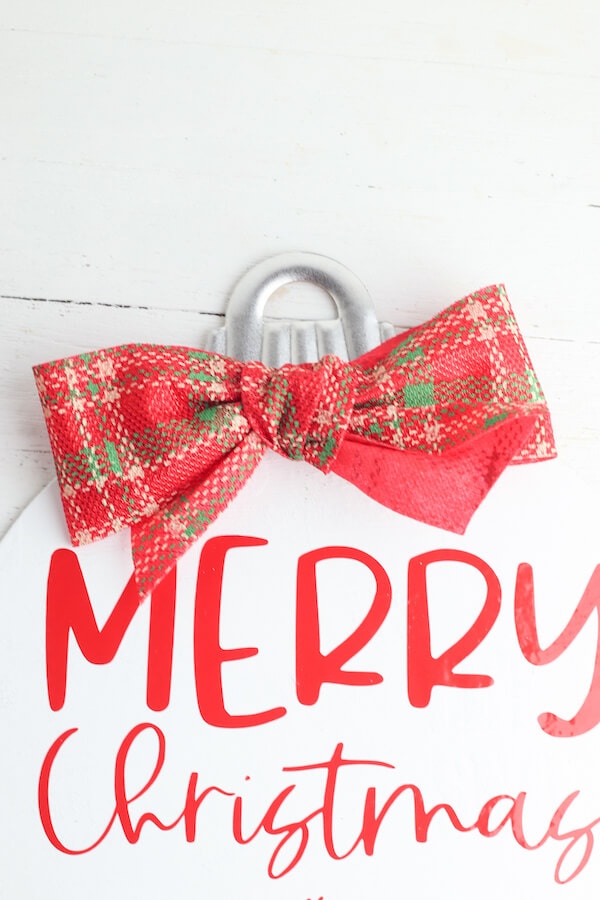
column 158, row 541
column 442, row 490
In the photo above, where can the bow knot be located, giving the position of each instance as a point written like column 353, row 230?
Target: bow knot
column 300, row 411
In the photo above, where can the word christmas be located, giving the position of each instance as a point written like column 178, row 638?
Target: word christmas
column 292, row 834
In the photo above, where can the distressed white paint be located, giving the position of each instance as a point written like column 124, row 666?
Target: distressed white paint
column 151, row 151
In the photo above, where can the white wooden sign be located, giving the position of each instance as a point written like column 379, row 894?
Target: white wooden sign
column 326, row 701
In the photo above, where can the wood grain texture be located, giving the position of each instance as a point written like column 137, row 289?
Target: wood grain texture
column 153, row 151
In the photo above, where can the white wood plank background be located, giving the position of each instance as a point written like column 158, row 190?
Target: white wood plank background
column 150, row 151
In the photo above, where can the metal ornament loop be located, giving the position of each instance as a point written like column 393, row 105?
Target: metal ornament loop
column 244, row 324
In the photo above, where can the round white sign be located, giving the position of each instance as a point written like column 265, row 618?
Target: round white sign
column 324, row 701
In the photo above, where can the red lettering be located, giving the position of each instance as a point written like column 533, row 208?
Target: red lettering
column 68, row 608
column 122, row 800
column 44, row 801
column 294, row 833
column 289, row 831
column 332, row 767
column 574, row 836
column 313, row 668
column 209, row 656
column 527, row 635
column 372, row 820
column 424, row 670
column 514, row 815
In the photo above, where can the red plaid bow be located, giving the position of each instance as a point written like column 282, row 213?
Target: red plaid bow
column 162, row 438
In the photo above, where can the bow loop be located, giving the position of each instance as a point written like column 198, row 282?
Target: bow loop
column 300, row 411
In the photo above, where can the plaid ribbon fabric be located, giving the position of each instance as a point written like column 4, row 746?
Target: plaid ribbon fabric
column 162, row 438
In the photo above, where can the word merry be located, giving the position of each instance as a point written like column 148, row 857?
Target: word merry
column 69, row 610
column 293, row 834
